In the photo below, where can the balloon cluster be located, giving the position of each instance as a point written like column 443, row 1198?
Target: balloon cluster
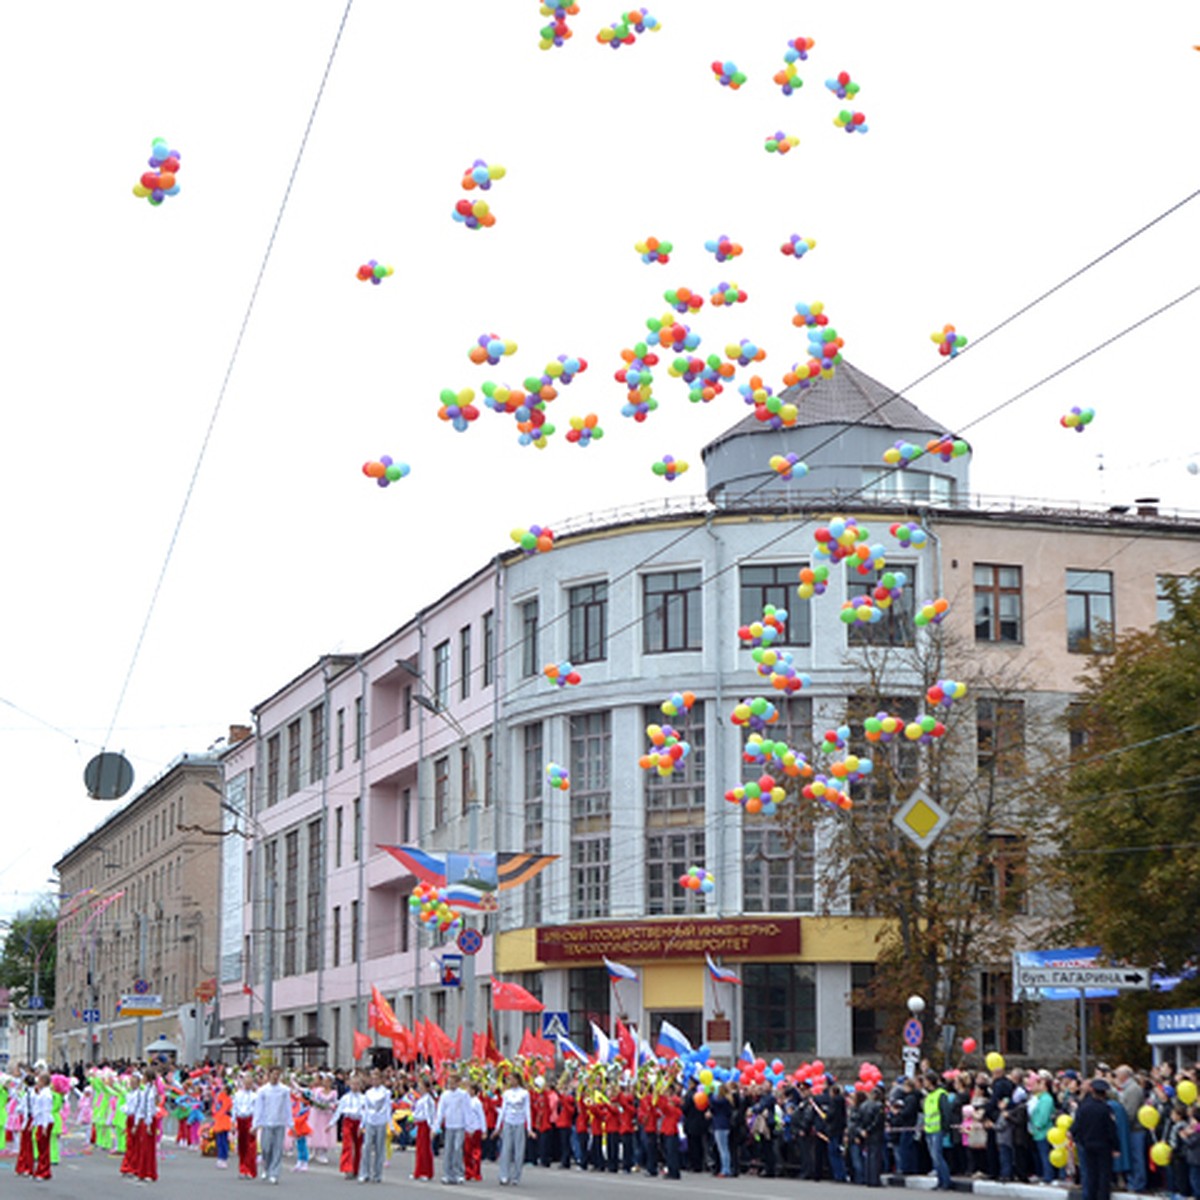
column 723, row 248
column 851, row 122
column 883, row 727
column 861, row 610
column 932, row 612
column 851, row 769
column 901, row 453
column 945, row 691
column 678, row 702
column 744, row 352
column 827, row 791
column 764, row 632
column 672, row 335
column 529, row 411
column 376, row 272
column 562, row 673
column 668, row 751
column 683, row 299
column 813, row 581
column 839, row 540
column 909, row 535
column 797, row 247
column 697, row 879
column 480, row 175
column 491, row 349
column 788, row 466
column 704, row 375
column 638, row 378
column 779, row 667
column 780, row 142
column 1077, row 419
column 726, row 295
column 761, row 795
column 585, row 430
column 669, row 468
column 557, row 31
column 159, row 182
column 534, row 540
column 869, row 1078
column 755, row 714
column 947, row 447
column 767, row 754
column 842, row 86
column 835, row 739
column 654, row 251
column 457, row 408
column 948, row 342
column 431, row 908
column 384, row 470
column 824, row 345
column 1059, row 1137
column 558, row 777
column 775, row 411
column 756, row 391
column 924, row 729
column 562, row 369
column 802, row 374
column 474, row 214
column 890, row 587
column 624, row 32
column 728, row 75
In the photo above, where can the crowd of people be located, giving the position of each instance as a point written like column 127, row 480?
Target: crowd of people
column 1136, row 1130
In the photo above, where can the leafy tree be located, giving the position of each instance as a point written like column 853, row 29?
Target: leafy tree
column 30, row 941
column 1129, row 815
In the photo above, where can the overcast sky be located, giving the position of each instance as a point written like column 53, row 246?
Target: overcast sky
column 1007, row 147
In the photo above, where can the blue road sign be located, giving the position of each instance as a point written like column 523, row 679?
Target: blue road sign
column 37, row 1002
column 913, row 1033
column 91, row 1016
column 556, row 1024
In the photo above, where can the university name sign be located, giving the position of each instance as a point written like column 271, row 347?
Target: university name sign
column 740, row 937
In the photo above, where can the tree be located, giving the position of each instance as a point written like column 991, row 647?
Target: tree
column 30, row 947
column 1128, row 814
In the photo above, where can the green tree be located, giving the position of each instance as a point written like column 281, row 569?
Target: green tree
column 1129, row 816
column 30, row 945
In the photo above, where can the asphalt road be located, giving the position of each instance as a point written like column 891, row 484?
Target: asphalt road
column 88, row 1175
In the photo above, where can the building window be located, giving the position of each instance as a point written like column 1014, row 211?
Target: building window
column 291, row 899
column 907, row 487
column 358, row 829
column 588, row 998
column 441, row 790
column 590, row 877
column 779, row 1008
column 867, row 1021
column 1003, row 876
column 406, row 815
column 1003, row 1019
column 341, row 738
column 293, row 758
column 273, row 769
column 355, row 930
column 441, row 674
column 466, row 779
column 316, row 742
column 464, row 662
column 489, row 647
column 763, row 585
column 1168, row 590
column 489, row 768
column 669, row 855
column 339, row 829
column 315, row 889
column 672, row 608
column 360, row 726
column 672, row 797
column 896, row 628
column 776, row 876
column 1000, row 736
column 1089, row 612
column 532, row 763
column 336, row 935
column 997, row 603
column 529, row 639
column 591, row 814
column 587, row 614
column 406, row 707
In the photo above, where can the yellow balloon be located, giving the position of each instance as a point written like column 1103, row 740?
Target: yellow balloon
column 994, row 1060
column 1160, row 1152
column 1063, row 1120
column 1056, row 1136
column 1148, row 1116
column 1058, row 1156
column 1186, row 1091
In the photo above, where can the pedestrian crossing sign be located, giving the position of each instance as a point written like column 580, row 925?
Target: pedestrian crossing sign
column 555, row 1024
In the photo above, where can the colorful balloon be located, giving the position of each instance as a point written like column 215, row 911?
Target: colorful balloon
column 668, row 751
column 842, row 86
column 534, row 540
column 813, row 581
column 1077, row 419
column 585, row 430
column 563, row 674
column 851, row 122
column 945, row 691
column 798, row 48
column 671, row 334
column 558, row 31
column 948, row 342
column 684, row 299
column 160, row 181
column 728, row 75
column 838, row 540
column 827, row 791
column 909, row 535
column 762, row 795
column 932, row 612
column 678, row 702
column 780, row 142
column 697, row 879
column 787, row 466
column 726, row 295
column 797, row 247
column 558, row 777
column 947, row 447
column 969, row 1045
column 457, row 408
column 755, row 714
column 624, row 31
column 376, row 272
column 744, row 352
column 723, row 248
column 384, row 470
column 480, row 175
column 654, row 251
column 883, row 727
column 491, row 349
column 474, row 214
column 763, row 632
column 669, row 468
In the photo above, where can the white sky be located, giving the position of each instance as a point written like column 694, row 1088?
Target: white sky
column 1008, row 145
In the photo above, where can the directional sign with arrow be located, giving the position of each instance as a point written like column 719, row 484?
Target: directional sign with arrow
column 1122, row 978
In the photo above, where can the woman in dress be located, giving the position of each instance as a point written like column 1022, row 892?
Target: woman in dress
column 324, row 1100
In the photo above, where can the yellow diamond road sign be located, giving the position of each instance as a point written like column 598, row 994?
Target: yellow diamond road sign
column 921, row 819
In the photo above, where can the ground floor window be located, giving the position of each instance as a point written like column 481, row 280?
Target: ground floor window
column 779, row 1008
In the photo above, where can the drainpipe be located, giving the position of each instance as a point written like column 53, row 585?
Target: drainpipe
column 719, row 700
column 360, row 834
column 321, row 881
column 418, row 989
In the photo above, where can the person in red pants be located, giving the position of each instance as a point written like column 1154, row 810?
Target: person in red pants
column 473, row 1141
column 243, row 1117
column 24, row 1113
column 145, row 1128
column 349, row 1110
column 423, row 1113
column 42, row 1114
column 128, row 1159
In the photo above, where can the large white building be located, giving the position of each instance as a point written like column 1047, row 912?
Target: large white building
column 450, row 721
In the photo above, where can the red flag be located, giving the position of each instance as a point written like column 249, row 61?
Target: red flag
column 626, row 1046
column 361, row 1042
column 479, row 1046
column 526, row 1047
column 380, row 1016
column 458, row 1043
column 512, row 997
column 491, row 1051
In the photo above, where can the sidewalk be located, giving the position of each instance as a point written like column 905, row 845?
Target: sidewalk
column 1012, row 1191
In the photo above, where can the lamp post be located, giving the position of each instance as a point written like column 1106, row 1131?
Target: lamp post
column 433, row 705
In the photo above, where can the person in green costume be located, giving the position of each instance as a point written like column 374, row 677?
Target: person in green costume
column 101, row 1105
column 56, row 1109
column 4, row 1085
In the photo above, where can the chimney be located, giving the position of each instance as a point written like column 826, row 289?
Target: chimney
column 239, row 733
column 1147, row 506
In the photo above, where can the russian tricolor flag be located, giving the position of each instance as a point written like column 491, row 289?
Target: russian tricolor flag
column 672, row 1042
column 721, row 974
column 618, row 971
column 747, row 1055
column 606, row 1052
column 568, row 1047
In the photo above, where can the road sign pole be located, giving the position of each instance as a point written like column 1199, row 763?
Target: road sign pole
column 1083, row 1071
column 141, row 1026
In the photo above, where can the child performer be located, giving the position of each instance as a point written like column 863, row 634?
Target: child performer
column 41, row 1111
column 243, row 1116
column 423, row 1113
column 222, row 1110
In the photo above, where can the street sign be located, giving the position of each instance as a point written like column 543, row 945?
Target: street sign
column 141, row 987
column 921, row 819
column 470, row 941
column 37, row 1002
column 913, row 1032
column 556, row 1024
column 1122, row 978
column 141, row 1006
column 91, row 1016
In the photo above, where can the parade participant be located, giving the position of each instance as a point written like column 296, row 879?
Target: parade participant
column 41, row 1115
column 450, row 1119
column 243, row 1117
column 129, row 1104
column 324, row 1100
column 473, row 1142
column 144, row 1138
column 649, row 1116
column 424, row 1112
column 23, row 1121
column 222, row 1113
column 564, row 1120
column 579, row 1136
column 349, row 1112
column 720, row 1113
column 491, row 1117
column 670, row 1109
column 301, row 1128
column 272, row 1114
column 626, row 1104
column 376, row 1113
column 516, row 1123
column 597, row 1110
column 539, row 1108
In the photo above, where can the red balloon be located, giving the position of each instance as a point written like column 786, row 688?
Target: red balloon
column 969, row 1045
